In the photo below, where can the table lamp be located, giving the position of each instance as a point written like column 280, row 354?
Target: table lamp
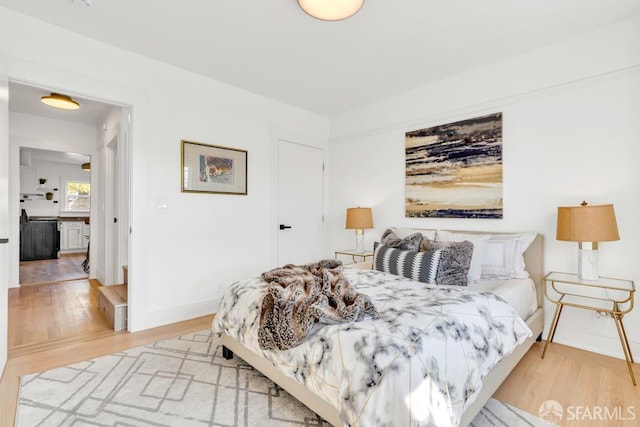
column 587, row 225
column 359, row 219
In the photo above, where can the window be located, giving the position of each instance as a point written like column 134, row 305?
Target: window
column 77, row 196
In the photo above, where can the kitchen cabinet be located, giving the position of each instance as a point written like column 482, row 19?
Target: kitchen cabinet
column 74, row 236
column 39, row 240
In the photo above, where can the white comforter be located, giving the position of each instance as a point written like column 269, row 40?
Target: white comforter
column 420, row 363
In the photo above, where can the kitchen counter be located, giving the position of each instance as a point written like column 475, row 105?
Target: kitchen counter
column 84, row 219
column 74, row 218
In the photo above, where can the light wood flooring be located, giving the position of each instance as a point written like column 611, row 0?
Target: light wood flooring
column 573, row 377
column 41, row 314
column 579, row 380
column 76, row 351
column 67, row 267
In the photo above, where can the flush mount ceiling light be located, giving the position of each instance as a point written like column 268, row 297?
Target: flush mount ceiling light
column 86, row 166
column 331, row 10
column 83, row 3
column 60, row 101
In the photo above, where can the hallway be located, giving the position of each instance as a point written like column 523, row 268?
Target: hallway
column 47, row 315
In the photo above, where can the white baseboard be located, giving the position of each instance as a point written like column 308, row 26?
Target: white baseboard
column 591, row 341
column 100, row 276
column 164, row 317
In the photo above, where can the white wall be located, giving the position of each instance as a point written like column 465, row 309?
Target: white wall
column 4, row 217
column 182, row 257
column 47, row 134
column 55, row 173
column 571, row 131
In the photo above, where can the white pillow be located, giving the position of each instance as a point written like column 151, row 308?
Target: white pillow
column 404, row 232
column 503, row 257
column 479, row 246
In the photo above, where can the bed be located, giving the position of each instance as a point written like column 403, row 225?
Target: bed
column 333, row 387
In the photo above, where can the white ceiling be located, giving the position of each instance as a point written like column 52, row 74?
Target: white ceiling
column 26, row 99
column 55, row 156
column 272, row 48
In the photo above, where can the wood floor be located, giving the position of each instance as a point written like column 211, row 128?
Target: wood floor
column 67, row 267
column 41, row 314
column 579, row 380
column 584, row 383
column 77, row 351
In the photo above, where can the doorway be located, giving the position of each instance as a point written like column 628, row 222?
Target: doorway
column 82, row 229
column 116, row 239
column 55, row 205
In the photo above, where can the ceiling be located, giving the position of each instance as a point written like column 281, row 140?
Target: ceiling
column 26, row 99
column 55, row 156
column 272, row 48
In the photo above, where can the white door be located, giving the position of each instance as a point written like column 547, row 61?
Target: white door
column 115, row 187
column 117, row 199
column 4, row 217
column 123, row 193
column 300, row 203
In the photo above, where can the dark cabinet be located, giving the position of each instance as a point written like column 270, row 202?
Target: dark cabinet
column 39, row 240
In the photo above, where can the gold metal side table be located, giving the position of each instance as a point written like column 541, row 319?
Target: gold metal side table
column 353, row 254
column 604, row 295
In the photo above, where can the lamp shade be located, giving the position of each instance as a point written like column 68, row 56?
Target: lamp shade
column 331, row 10
column 359, row 218
column 587, row 223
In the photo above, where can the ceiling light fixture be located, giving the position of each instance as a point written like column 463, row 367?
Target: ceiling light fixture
column 83, row 3
column 331, row 10
column 60, row 101
column 86, row 166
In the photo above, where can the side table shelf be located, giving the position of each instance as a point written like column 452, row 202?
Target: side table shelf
column 565, row 289
column 353, row 254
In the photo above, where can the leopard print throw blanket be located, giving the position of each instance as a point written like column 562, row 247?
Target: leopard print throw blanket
column 300, row 298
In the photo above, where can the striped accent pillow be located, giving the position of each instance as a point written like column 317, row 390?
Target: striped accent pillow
column 420, row 266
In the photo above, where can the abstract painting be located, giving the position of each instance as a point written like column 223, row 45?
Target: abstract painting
column 455, row 170
column 213, row 169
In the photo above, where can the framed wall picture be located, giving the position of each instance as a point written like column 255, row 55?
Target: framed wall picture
column 213, row 169
column 454, row 170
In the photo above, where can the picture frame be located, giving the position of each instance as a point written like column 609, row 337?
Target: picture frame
column 455, row 170
column 214, row 169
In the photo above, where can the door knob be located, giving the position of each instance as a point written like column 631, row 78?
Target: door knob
column 284, row 227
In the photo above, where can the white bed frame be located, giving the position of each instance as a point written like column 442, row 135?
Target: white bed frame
column 534, row 260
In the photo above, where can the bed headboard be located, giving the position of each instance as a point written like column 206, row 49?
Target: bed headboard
column 534, row 260
column 533, row 257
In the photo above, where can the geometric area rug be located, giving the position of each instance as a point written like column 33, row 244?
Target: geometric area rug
column 182, row 381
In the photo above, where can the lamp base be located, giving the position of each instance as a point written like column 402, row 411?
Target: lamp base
column 359, row 240
column 588, row 261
